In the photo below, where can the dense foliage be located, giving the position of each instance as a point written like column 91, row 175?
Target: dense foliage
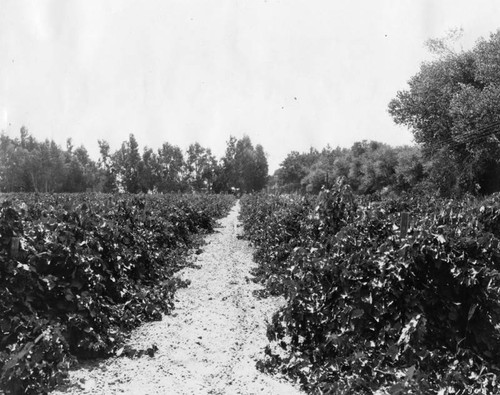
column 451, row 106
column 77, row 272
column 244, row 167
column 368, row 167
column 28, row 165
column 371, row 309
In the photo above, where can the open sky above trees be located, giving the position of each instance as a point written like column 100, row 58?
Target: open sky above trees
column 290, row 75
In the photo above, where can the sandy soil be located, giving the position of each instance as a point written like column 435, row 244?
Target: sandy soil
column 211, row 342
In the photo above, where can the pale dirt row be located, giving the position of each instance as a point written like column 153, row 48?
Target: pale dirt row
column 211, row 342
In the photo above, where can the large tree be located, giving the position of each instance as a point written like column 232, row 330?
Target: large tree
column 451, row 106
column 226, row 172
column 108, row 182
column 244, row 167
column 261, row 169
column 127, row 163
column 172, row 168
column 296, row 167
column 149, row 175
column 200, row 167
column 250, row 165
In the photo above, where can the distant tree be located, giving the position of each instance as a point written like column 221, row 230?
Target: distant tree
column 80, row 171
column 292, row 170
column 261, row 169
column 226, row 172
column 13, row 159
column 250, row 166
column 69, row 146
column 148, row 171
column 108, row 182
column 244, row 164
column 127, row 161
column 25, row 138
column 243, row 167
column 323, row 168
column 171, row 168
column 377, row 168
column 229, row 162
column 410, row 170
column 200, row 167
column 296, row 167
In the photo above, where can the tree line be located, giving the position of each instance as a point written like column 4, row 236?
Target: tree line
column 29, row 165
column 368, row 166
column 451, row 106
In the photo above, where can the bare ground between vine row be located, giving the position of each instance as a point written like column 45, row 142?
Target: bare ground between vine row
column 211, row 342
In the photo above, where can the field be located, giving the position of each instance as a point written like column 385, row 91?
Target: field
column 383, row 296
column 79, row 271
column 374, row 308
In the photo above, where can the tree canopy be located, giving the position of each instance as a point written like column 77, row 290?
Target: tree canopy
column 368, row 167
column 451, row 106
column 244, row 167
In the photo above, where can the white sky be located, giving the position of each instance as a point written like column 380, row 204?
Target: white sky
column 289, row 73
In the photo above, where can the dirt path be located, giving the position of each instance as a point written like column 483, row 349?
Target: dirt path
column 210, row 344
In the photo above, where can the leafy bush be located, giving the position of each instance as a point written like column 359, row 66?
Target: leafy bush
column 77, row 272
column 370, row 309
